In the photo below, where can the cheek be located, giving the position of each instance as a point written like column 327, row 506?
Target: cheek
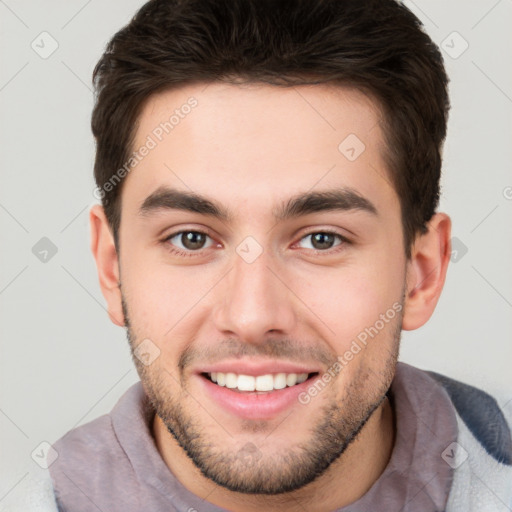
column 351, row 299
column 166, row 304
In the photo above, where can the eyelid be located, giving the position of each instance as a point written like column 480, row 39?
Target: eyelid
column 330, row 231
column 180, row 233
column 344, row 240
column 188, row 252
column 189, row 229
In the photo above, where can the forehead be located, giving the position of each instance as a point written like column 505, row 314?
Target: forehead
column 260, row 109
column 259, row 142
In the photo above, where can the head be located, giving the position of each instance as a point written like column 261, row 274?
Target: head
column 269, row 176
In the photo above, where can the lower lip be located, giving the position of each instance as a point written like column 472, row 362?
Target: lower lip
column 255, row 405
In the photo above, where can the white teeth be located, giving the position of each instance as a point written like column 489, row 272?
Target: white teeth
column 291, row 379
column 280, row 381
column 221, row 379
column 301, row 377
column 231, row 380
column 246, row 383
column 266, row 382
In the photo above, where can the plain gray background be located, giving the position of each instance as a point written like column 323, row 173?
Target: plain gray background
column 63, row 363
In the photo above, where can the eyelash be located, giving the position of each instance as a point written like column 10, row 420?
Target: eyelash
column 190, row 253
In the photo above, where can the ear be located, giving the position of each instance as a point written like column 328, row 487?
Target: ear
column 426, row 272
column 107, row 263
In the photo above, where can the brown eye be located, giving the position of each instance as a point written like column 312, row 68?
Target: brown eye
column 321, row 241
column 190, row 240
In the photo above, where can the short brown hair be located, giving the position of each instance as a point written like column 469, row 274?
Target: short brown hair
column 378, row 46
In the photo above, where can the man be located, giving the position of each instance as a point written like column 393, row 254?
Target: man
column 269, row 177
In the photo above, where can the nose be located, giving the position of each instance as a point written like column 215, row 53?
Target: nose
column 253, row 301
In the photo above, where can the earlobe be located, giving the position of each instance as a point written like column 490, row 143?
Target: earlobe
column 107, row 263
column 426, row 272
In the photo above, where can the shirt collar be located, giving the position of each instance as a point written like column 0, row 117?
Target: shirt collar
column 416, row 477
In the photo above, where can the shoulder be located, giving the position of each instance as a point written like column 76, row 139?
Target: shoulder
column 97, row 442
column 88, row 455
column 488, row 423
column 34, row 493
column 94, row 438
column 91, row 461
column 482, row 456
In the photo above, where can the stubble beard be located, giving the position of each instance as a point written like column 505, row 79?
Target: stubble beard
column 248, row 469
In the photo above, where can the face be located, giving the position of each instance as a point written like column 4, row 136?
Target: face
column 262, row 271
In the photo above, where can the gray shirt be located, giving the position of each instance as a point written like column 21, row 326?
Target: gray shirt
column 112, row 464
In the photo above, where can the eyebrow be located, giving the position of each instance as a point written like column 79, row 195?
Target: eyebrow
column 343, row 199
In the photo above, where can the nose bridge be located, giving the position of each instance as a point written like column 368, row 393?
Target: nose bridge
column 254, row 301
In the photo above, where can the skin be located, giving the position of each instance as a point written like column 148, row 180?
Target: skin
column 250, row 149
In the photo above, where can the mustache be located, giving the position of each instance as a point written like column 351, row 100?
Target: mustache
column 272, row 349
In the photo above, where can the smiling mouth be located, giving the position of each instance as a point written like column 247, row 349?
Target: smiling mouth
column 259, row 383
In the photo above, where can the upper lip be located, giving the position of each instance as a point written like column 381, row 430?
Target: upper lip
column 255, row 368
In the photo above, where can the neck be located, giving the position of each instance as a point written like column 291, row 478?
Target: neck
column 346, row 480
